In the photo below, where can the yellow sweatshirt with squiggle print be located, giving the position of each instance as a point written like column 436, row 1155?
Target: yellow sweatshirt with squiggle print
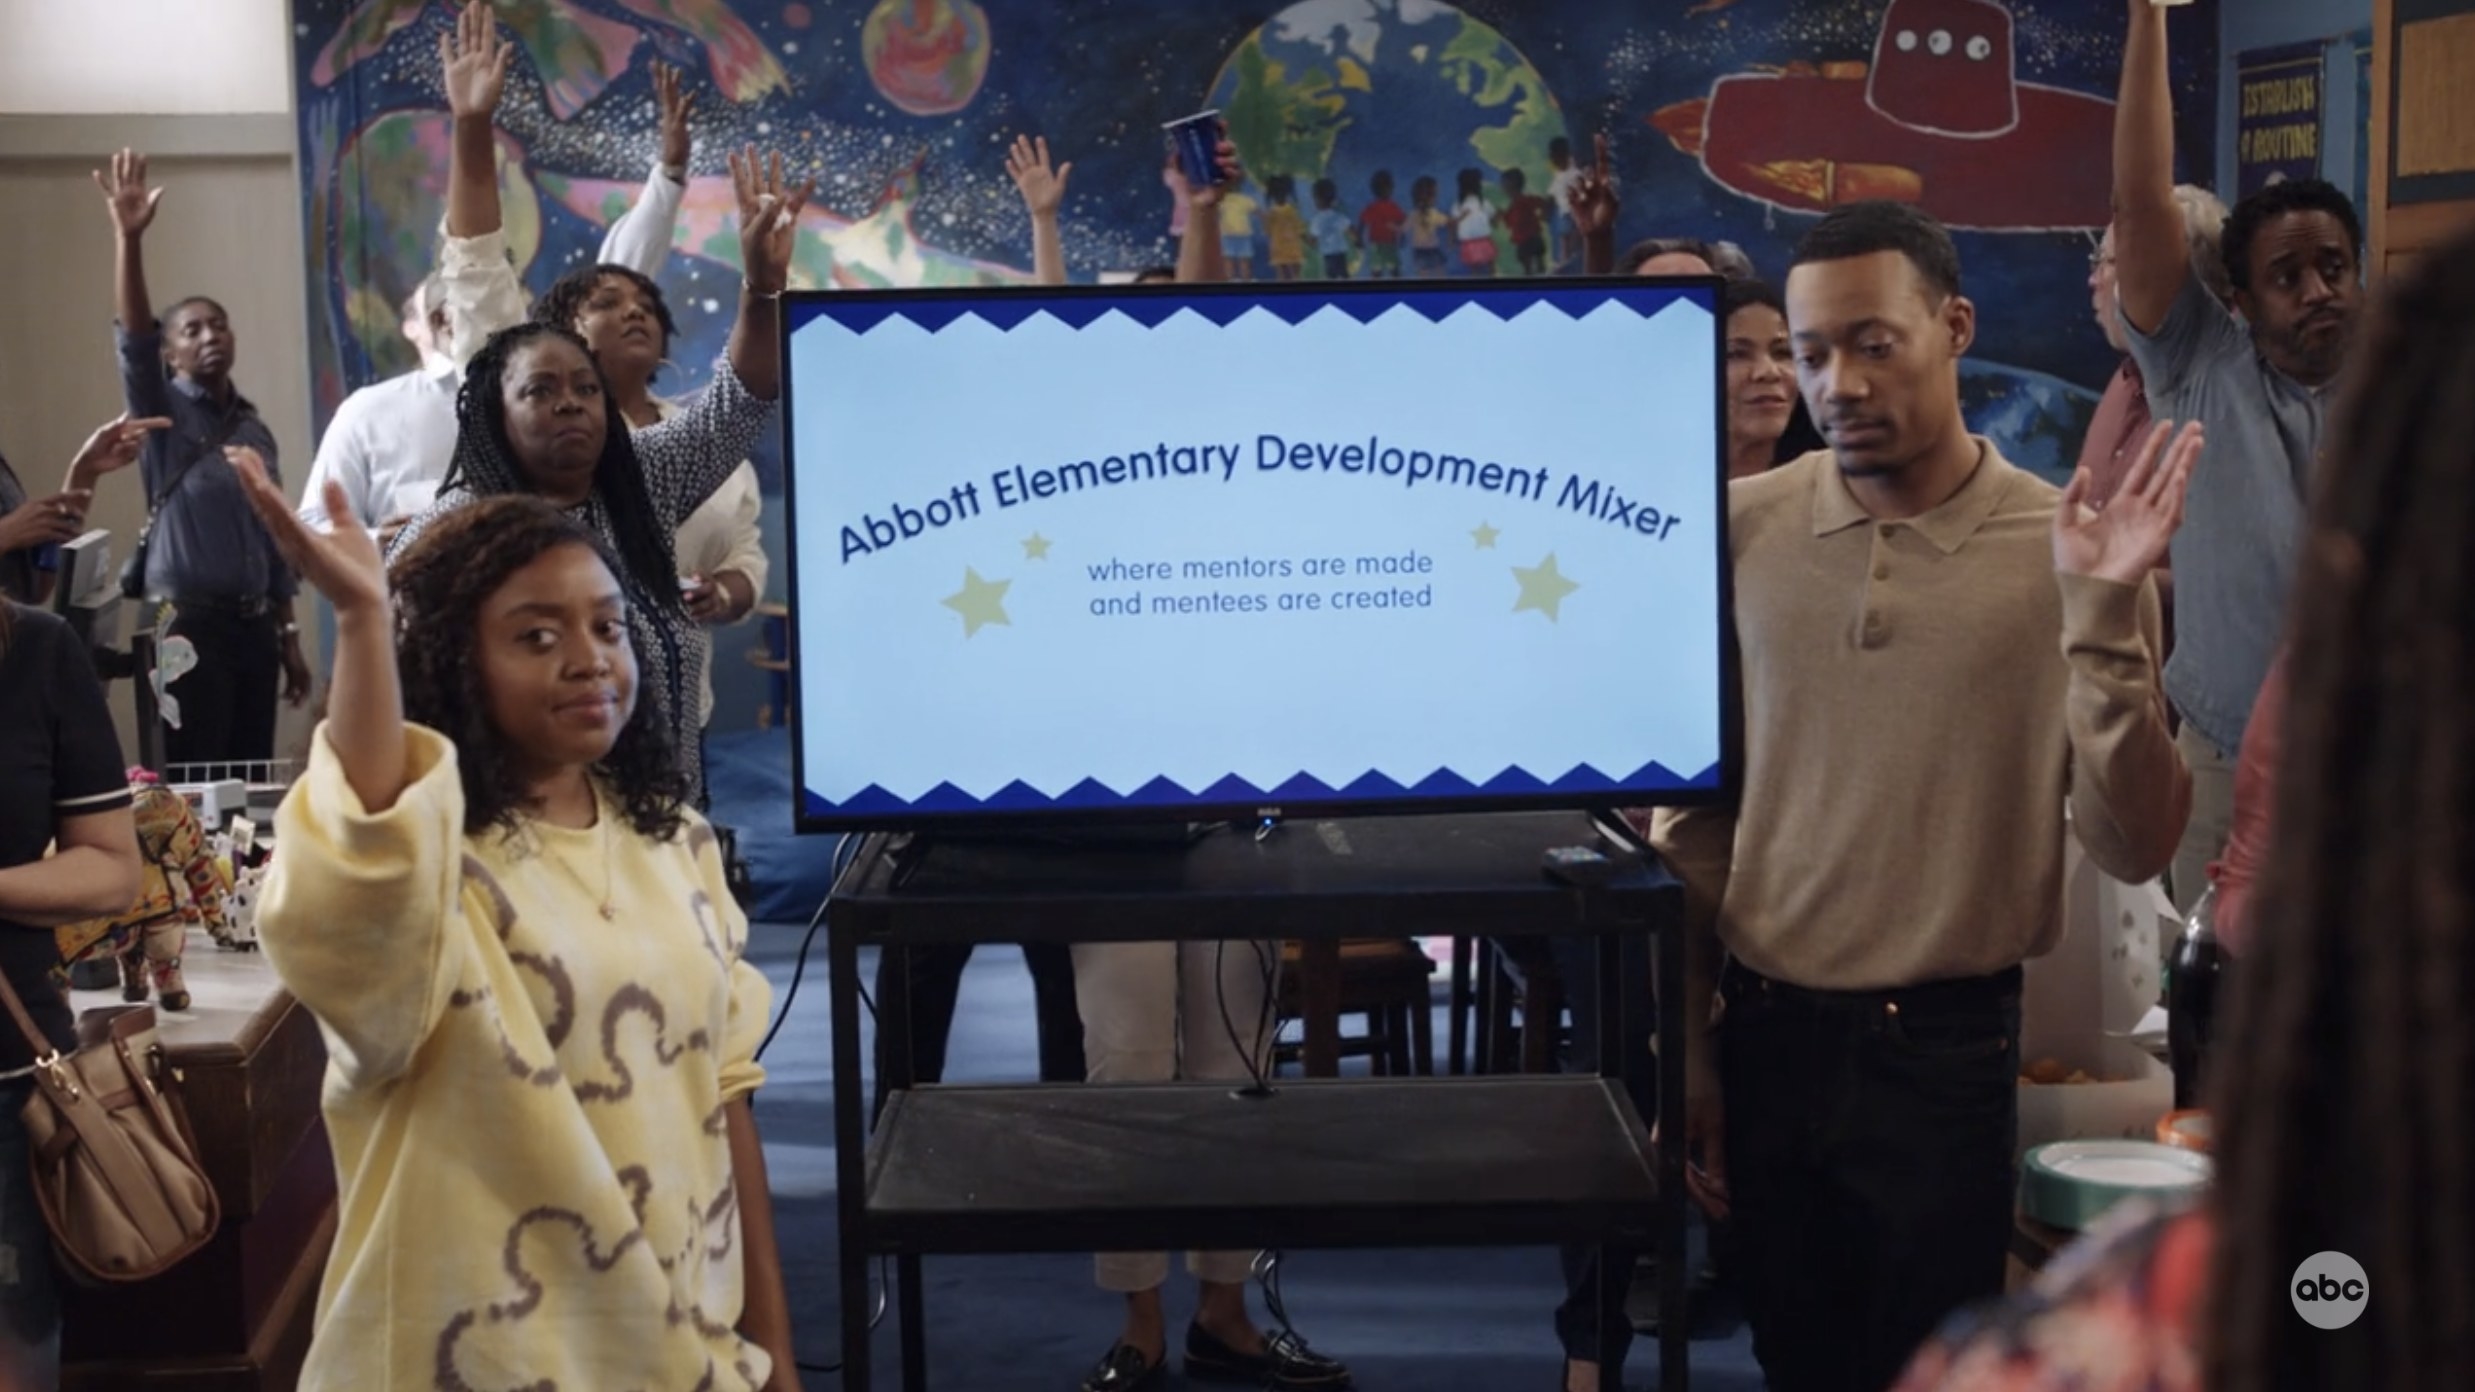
column 525, row 1098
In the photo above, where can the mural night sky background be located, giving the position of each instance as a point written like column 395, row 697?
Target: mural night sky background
column 901, row 110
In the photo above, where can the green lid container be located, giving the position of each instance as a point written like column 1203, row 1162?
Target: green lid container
column 2071, row 1184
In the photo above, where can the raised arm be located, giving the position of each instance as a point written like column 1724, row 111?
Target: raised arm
column 2152, row 257
column 768, row 233
column 640, row 239
column 114, row 446
column 481, row 292
column 1044, row 191
column 365, row 716
column 1200, row 260
column 1595, row 206
column 473, row 60
column 2130, row 793
column 132, row 206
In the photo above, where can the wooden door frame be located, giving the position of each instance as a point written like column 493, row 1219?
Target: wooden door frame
column 2416, row 226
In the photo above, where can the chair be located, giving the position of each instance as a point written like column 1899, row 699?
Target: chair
column 1384, row 980
column 1520, row 1006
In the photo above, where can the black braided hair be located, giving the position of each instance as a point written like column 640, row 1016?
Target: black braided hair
column 2346, row 1109
column 485, row 463
column 440, row 583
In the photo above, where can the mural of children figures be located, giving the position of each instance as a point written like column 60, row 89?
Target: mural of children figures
column 1379, row 229
column 1426, row 228
column 1237, row 233
column 1560, row 190
column 1284, row 227
column 1476, row 219
column 1333, row 230
column 1525, row 221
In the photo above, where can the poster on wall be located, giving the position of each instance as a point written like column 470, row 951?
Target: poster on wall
column 2277, row 115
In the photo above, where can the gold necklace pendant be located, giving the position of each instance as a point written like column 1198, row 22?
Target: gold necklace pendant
column 607, row 901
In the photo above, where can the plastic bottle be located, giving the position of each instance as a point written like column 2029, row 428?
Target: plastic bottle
column 2191, row 998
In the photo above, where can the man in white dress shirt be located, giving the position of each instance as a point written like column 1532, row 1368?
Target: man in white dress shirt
column 389, row 443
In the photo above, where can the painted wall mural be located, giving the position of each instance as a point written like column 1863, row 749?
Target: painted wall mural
column 1731, row 119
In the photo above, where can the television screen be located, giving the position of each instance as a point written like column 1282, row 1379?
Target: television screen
column 1196, row 553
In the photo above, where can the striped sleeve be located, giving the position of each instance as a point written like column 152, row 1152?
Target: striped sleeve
column 87, row 772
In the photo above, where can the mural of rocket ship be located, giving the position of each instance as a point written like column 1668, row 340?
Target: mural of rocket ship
column 1938, row 118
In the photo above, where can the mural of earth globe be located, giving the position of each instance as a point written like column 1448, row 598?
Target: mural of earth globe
column 927, row 57
column 1343, row 88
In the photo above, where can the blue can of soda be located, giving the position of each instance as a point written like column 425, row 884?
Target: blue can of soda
column 1197, row 139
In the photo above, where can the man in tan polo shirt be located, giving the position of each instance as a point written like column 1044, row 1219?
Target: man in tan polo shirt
column 1938, row 652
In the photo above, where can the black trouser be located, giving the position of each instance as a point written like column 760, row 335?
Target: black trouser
column 936, row 984
column 227, row 701
column 1591, row 1322
column 1869, row 1140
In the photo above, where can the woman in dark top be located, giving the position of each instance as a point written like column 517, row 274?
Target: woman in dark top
column 68, row 851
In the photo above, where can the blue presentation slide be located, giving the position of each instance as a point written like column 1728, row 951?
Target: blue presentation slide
column 1080, row 553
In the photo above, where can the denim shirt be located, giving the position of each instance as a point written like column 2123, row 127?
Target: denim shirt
column 2234, row 559
column 206, row 544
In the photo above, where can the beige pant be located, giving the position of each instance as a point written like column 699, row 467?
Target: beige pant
column 1152, row 1014
column 2212, row 815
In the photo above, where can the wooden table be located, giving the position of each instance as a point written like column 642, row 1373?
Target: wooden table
column 236, row 1316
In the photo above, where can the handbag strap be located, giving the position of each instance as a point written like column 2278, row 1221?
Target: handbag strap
column 216, row 439
column 35, row 1040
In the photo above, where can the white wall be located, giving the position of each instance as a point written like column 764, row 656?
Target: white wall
column 153, row 57
column 204, row 87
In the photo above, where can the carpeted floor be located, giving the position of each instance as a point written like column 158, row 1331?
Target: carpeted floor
column 1429, row 1321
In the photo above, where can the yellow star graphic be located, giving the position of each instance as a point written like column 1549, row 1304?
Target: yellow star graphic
column 1485, row 536
column 1543, row 588
column 980, row 602
column 1035, row 547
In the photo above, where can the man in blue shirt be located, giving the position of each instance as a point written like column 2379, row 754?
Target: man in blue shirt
column 2260, row 385
column 207, row 554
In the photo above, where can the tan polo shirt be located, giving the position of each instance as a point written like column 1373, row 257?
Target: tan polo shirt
column 1920, row 698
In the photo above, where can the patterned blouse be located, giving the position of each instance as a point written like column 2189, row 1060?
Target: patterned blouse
column 2117, row 1311
column 685, row 458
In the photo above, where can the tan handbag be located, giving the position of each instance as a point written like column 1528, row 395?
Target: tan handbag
column 115, row 1167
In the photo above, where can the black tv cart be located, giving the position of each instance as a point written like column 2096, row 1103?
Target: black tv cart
column 1497, row 1161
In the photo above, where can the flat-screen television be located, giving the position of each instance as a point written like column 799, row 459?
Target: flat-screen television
column 1200, row 553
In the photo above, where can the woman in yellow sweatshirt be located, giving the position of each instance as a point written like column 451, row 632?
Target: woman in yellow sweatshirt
column 516, row 938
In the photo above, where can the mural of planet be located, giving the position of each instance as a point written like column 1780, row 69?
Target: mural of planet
column 927, row 57
column 391, row 230
column 1343, row 88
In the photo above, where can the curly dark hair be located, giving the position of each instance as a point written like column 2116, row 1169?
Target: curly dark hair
column 2244, row 224
column 440, row 582
column 485, row 463
column 1640, row 252
column 563, row 303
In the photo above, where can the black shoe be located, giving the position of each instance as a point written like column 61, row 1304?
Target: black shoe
column 1285, row 1363
column 1125, row 1369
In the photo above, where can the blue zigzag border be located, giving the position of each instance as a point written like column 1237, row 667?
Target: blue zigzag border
column 1008, row 308
column 1585, row 782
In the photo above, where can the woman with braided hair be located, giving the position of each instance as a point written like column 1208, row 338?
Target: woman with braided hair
column 2344, row 1089
column 536, row 413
